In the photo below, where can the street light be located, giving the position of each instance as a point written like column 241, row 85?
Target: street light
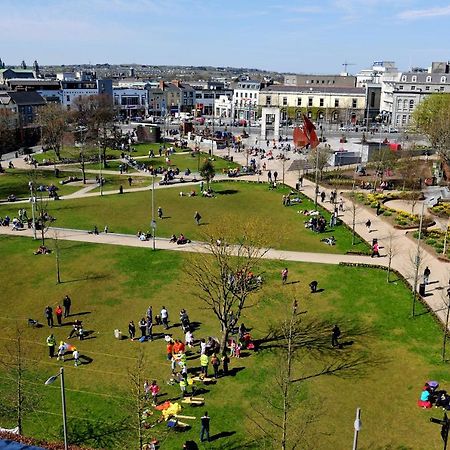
column 153, row 224
column 357, row 425
column 51, row 380
column 33, row 214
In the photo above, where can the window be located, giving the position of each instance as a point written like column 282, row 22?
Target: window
column 68, row 98
column 268, row 100
column 405, row 105
column 284, row 101
column 250, row 95
column 400, row 88
column 414, row 79
column 299, row 101
column 404, row 78
column 404, row 119
column 411, row 104
column 443, row 79
column 427, row 88
column 399, row 105
column 336, row 103
column 413, row 88
column 310, row 101
column 441, row 88
column 354, row 102
column 198, row 95
column 372, row 99
column 428, row 79
column 321, row 102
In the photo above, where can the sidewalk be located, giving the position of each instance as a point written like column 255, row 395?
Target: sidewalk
column 129, row 240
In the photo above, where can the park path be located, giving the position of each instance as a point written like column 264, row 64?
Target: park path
column 129, row 240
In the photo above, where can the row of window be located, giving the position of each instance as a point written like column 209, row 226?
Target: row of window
column 428, row 79
column 402, row 119
column 427, row 88
column 246, row 95
column 310, row 101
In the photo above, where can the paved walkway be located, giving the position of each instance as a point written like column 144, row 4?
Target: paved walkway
column 164, row 244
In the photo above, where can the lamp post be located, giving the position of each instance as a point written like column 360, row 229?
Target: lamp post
column 51, row 380
column 357, row 425
column 417, row 260
column 33, row 214
column 153, row 224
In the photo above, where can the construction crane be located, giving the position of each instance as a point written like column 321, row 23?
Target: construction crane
column 346, row 64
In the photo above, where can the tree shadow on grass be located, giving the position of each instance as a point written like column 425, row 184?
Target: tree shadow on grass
column 86, row 278
column 227, row 192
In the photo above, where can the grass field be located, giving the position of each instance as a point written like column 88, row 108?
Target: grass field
column 111, row 285
column 235, row 201
column 15, row 181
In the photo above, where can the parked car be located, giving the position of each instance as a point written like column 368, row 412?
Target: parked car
column 392, row 130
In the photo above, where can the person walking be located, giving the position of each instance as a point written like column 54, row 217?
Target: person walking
column 375, row 250
column 225, row 362
column 131, row 330
column 284, row 275
column 368, row 224
column 378, row 208
column 216, row 364
column 51, row 343
column 49, row 316
column 67, row 303
column 322, row 196
column 130, row 180
column 335, row 334
column 160, row 212
column 426, row 275
column 205, row 420
column 143, row 327
column 150, row 313
column 165, row 317
column 197, row 217
column 59, row 313
column 269, row 176
column 275, row 176
column 76, row 357
column 313, row 286
column 61, row 351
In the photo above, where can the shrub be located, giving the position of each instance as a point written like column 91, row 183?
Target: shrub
column 431, row 241
column 387, row 213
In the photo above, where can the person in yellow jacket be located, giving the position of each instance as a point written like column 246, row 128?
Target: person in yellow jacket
column 204, row 360
column 51, row 343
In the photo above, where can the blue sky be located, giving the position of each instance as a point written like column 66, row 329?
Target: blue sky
column 296, row 36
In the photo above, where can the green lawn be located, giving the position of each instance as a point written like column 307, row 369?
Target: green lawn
column 15, row 181
column 111, row 285
column 234, row 202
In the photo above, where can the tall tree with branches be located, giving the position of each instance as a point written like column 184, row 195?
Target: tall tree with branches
column 227, row 273
column 207, row 171
column 432, row 118
column 294, row 340
column 53, row 120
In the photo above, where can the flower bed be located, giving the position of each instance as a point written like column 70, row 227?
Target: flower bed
column 401, row 219
column 441, row 210
column 435, row 238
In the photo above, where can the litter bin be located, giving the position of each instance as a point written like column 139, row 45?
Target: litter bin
column 422, row 289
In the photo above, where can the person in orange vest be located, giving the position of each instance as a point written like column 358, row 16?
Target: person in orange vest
column 59, row 313
column 169, row 348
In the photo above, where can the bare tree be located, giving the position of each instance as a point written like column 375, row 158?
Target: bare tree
column 354, row 209
column 96, row 113
column 20, row 401
column 53, row 120
column 391, row 251
column 43, row 218
column 228, row 273
column 318, row 158
column 294, row 340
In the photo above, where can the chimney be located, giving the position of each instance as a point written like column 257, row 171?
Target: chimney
column 161, row 84
column 176, row 83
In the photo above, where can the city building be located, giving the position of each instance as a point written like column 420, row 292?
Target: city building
column 401, row 96
column 170, row 98
column 245, row 100
column 320, row 103
column 207, row 94
column 131, row 102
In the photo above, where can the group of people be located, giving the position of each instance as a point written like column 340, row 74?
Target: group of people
column 146, row 323
column 60, row 311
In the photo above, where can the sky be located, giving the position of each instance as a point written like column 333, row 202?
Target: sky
column 285, row 35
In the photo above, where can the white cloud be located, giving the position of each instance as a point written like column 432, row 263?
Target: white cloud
column 424, row 13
